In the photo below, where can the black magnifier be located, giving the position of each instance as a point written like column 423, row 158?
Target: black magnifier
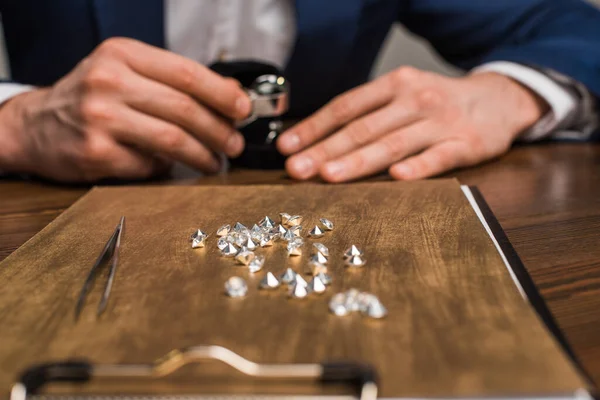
column 269, row 93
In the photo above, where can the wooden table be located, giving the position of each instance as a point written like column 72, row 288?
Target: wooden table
column 546, row 197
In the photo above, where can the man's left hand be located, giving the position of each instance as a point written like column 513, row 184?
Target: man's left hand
column 413, row 123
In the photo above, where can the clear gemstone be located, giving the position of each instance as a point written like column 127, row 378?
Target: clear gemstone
column 294, row 220
column 294, row 249
column 236, row 287
column 327, row 224
column 241, row 239
column 299, row 280
column 376, row 309
column 249, row 244
column 325, row 278
column 356, row 261
column 231, row 237
column 318, row 258
column 198, row 239
column 244, row 256
column 284, row 218
column 321, row 248
column 296, row 230
column 222, row 243
column 269, row 281
column 316, row 285
column 353, row 251
column 267, row 223
column 299, row 291
column 289, row 276
column 240, row 228
column 316, row 232
column 197, row 243
column 317, row 268
column 256, row 232
column 224, row 230
column 352, row 300
column 337, row 305
column 230, row 250
column 365, row 299
column 257, row 263
column 281, row 229
column 266, row 240
column 288, row 235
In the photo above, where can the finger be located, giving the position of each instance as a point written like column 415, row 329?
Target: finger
column 440, row 158
column 208, row 87
column 127, row 163
column 159, row 137
column 381, row 154
column 164, row 102
column 335, row 114
column 353, row 136
column 102, row 157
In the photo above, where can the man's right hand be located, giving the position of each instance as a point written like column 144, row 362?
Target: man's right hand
column 125, row 111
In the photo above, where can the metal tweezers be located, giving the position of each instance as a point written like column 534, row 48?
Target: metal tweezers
column 110, row 252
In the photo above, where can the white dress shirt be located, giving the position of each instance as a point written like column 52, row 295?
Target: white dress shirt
column 210, row 30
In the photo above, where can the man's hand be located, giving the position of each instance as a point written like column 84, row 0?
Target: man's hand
column 123, row 112
column 416, row 124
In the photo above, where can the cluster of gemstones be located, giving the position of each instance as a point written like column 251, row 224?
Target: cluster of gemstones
column 353, row 300
column 241, row 243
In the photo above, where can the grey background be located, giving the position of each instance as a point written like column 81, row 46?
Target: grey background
column 400, row 48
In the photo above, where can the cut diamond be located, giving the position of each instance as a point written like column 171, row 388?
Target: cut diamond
column 364, row 300
column 244, row 256
column 356, row 261
column 230, row 250
column 296, row 230
column 256, row 233
column 299, row 291
column 241, row 239
column 318, row 258
column 289, row 276
column 375, row 309
column 288, row 235
column 317, row 268
column 267, row 223
column 325, row 278
column 284, row 218
column 249, row 244
column 316, row 232
column 337, row 305
column 222, row 243
column 294, row 249
column 236, row 287
column 281, row 229
column 321, row 248
column 198, row 239
column 299, row 280
column 327, row 224
column 256, row 264
column 316, row 285
column 224, row 230
column 266, row 240
column 240, row 228
column 269, row 281
column 353, row 251
column 294, row 220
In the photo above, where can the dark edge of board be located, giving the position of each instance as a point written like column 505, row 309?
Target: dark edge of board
column 527, row 283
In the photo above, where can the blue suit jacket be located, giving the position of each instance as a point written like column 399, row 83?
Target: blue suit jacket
column 337, row 40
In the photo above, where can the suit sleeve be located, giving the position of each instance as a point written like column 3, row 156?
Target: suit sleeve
column 558, row 35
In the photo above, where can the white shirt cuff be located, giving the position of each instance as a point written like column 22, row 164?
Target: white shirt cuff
column 561, row 102
column 9, row 90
